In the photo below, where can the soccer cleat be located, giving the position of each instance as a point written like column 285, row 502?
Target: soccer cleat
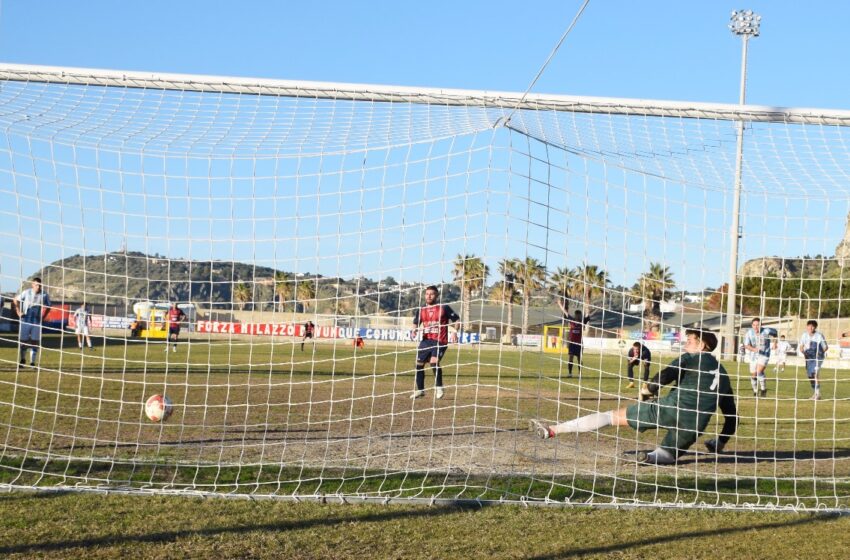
column 714, row 446
column 656, row 457
column 32, row 364
column 816, row 397
column 755, row 393
column 417, row 394
column 439, row 393
column 540, row 429
column 763, row 393
column 631, row 385
column 174, row 349
column 23, row 362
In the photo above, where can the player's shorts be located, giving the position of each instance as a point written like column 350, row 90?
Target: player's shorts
column 813, row 367
column 646, row 415
column 30, row 331
column 308, row 335
column 758, row 360
column 82, row 329
column 574, row 349
column 173, row 330
column 429, row 349
column 780, row 359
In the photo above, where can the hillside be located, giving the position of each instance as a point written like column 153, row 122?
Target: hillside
column 120, row 279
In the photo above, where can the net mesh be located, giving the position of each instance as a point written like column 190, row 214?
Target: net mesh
column 258, row 207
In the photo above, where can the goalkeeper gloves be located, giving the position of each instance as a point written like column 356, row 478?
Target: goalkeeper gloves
column 645, row 393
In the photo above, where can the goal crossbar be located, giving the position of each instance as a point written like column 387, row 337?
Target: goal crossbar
column 402, row 94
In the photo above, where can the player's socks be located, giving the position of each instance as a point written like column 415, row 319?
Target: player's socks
column 33, row 354
column 570, row 369
column 754, row 382
column 587, row 423
column 420, row 377
column 762, row 382
column 438, row 372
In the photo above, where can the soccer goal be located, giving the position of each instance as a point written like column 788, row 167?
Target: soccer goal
column 335, row 291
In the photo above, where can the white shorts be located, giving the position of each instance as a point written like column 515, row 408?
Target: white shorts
column 758, row 360
column 82, row 329
column 29, row 331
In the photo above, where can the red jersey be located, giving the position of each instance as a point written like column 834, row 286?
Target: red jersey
column 434, row 320
column 575, row 331
column 175, row 316
column 308, row 328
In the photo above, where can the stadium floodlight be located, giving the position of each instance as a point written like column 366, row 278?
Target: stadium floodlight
column 745, row 24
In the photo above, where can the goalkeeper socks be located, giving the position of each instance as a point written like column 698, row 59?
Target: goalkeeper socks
column 420, row 377
column 585, row 423
column 439, row 373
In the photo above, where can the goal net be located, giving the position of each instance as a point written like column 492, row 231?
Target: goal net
column 297, row 227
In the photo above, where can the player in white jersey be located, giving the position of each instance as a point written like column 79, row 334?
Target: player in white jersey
column 82, row 326
column 31, row 306
column 813, row 348
column 782, row 347
column 758, row 342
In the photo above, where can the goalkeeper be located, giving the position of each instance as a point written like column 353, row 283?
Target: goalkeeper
column 702, row 386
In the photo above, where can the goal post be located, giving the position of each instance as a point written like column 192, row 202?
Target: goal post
column 297, row 226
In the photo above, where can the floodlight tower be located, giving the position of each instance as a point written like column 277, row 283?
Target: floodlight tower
column 745, row 24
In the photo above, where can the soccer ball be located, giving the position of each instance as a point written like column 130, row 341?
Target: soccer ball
column 158, row 408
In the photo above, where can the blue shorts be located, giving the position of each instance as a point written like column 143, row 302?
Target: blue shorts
column 813, row 367
column 430, row 349
column 574, row 349
column 174, row 330
column 29, row 331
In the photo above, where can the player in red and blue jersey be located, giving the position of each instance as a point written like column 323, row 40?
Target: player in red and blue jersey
column 175, row 317
column 433, row 321
column 575, row 334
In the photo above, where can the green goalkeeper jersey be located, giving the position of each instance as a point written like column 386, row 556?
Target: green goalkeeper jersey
column 701, row 383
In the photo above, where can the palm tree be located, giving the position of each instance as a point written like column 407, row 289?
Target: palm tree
column 305, row 291
column 530, row 276
column 505, row 292
column 469, row 273
column 242, row 294
column 591, row 282
column 652, row 288
column 283, row 288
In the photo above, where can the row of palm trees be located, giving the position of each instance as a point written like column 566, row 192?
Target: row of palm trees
column 522, row 279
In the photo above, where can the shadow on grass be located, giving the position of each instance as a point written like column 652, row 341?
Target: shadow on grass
column 170, row 536
column 669, row 539
column 749, row 457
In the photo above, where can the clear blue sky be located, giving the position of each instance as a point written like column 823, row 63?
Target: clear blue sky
column 653, row 50
column 620, row 48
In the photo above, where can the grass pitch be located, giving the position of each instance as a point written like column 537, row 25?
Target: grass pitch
column 268, row 419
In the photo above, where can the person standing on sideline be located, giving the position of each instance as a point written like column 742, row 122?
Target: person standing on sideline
column 782, row 348
column 702, row 386
column 757, row 342
column 638, row 354
column 82, row 326
column 309, row 327
column 575, row 335
column 432, row 320
column 175, row 317
column 813, row 348
column 31, row 306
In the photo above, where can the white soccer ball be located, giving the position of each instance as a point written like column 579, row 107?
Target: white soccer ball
column 158, row 408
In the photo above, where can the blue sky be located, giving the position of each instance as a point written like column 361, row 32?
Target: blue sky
column 652, row 50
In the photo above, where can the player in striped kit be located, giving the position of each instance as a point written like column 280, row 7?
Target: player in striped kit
column 82, row 324
column 758, row 342
column 31, row 306
column 433, row 320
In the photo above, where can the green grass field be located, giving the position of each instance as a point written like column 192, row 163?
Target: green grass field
column 267, row 420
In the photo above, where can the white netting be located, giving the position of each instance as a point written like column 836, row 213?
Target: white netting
column 261, row 206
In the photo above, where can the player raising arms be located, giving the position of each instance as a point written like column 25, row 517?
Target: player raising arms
column 575, row 330
column 432, row 320
column 758, row 342
column 702, row 385
column 175, row 317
